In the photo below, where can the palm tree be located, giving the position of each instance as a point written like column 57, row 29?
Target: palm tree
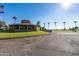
column 75, row 25
column 64, row 25
column 48, row 25
column 44, row 25
column 55, row 25
column 14, row 17
column 38, row 24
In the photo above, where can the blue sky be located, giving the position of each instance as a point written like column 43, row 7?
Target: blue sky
column 43, row 12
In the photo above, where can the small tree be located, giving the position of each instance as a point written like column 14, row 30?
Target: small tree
column 70, row 28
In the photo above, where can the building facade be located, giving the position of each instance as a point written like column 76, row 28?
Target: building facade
column 25, row 25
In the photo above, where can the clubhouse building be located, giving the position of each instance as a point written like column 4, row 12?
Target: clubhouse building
column 25, row 25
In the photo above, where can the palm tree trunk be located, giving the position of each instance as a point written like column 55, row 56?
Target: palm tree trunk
column 75, row 25
column 64, row 23
column 55, row 27
column 48, row 25
column 44, row 25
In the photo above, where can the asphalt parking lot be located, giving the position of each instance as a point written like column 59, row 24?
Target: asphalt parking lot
column 54, row 44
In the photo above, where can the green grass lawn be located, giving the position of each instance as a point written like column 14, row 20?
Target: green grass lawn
column 22, row 34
